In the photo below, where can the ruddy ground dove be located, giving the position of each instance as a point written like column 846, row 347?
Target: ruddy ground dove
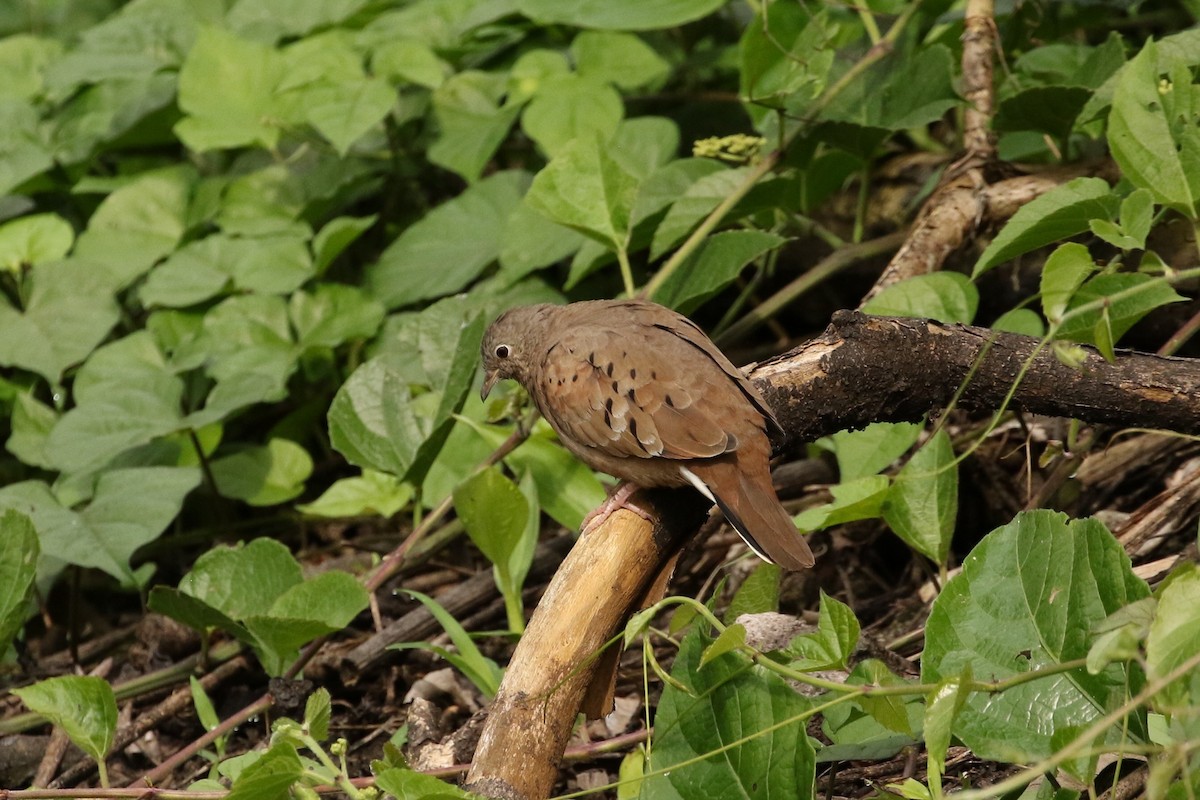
column 638, row 391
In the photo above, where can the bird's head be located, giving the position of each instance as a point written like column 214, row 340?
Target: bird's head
column 511, row 344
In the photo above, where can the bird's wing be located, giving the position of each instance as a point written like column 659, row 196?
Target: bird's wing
column 639, row 393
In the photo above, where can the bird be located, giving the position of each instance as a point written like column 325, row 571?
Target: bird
column 638, row 391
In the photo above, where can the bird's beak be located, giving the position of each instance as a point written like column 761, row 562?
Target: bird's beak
column 489, row 380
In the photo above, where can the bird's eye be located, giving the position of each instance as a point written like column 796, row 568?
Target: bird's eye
column 502, row 351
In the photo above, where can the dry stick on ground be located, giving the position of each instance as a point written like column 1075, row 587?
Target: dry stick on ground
column 862, row 369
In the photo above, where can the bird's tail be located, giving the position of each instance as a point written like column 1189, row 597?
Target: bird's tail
column 744, row 494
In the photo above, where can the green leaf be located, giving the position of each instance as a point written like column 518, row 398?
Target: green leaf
column 1126, row 299
column 861, row 498
column 718, row 262
column 1047, row 109
column 433, row 258
column 1155, row 151
column 263, row 476
column 31, row 423
column 68, row 312
column 922, row 506
column 725, row 702
column 407, row 784
column 944, row 296
column 571, row 106
column 317, row 713
column 228, row 92
column 758, row 594
column 333, row 313
column 138, row 223
column 494, row 513
column 337, row 234
column 625, row 15
column 872, row 449
column 1028, row 597
column 941, row 709
column 1174, row 635
column 1060, row 213
column 531, row 242
column 205, row 711
column 242, row 581
column 129, row 508
column 585, row 189
column 270, row 777
column 694, row 204
column 409, row 61
column 830, row 646
column 472, row 122
column 377, row 422
column 1137, row 215
column 84, row 707
column 731, row 639
column 786, row 56
column 1024, row 321
column 31, row 240
column 481, row 671
column 24, row 153
column 19, row 551
column 1064, row 272
column 617, row 57
column 903, row 91
column 199, row 271
column 893, row 712
column 369, row 494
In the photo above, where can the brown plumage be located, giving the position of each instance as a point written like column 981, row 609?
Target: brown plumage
column 635, row 390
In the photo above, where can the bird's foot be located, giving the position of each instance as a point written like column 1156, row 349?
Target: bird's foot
column 618, row 499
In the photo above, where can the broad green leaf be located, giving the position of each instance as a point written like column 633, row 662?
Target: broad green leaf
column 69, row 311
column 1127, row 298
column 433, row 257
column 270, row 777
column 861, row 498
column 831, row 645
column 206, row 268
column 1175, row 635
column 270, row 20
column 758, row 594
column 369, row 494
column 1060, row 213
column 1156, row 152
column 569, row 107
column 331, row 599
column 624, row 15
column 1046, row 109
column 334, row 313
column 228, row 93
column 31, row 423
column 23, row 61
column 1064, row 272
column 1028, row 597
column 317, row 713
column 531, row 241
column 872, row 449
column 643, row 145
column 335, row 237
column 1137, row 214
column 27, row 241
column 585, row 189
column 18, row 568
column 731, row 639
column 693, row 205
column 905, row 90
column 944, row 296
column 494, row 513
column 894, row 712
column 83, row 706
column 409, row 61
column 138, row 223
column 785, row 56
column 472, row 122
column 242, row 581
column 941, row 709
column 25, row 154
column 407, row 784
column 620, row 58
column 263, row 476
column 718, row 262
column 1024, row 321
column 378, row 422
column 922, row 505
column 129, row 508
column 725, row 702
